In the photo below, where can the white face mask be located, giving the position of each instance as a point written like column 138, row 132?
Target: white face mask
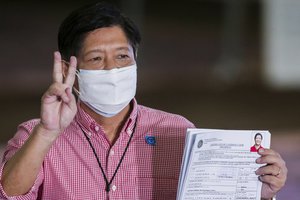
column 107, row 92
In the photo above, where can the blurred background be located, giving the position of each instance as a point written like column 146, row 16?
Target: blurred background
column 220, row 63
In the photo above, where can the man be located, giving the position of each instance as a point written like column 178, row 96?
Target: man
column 105, row 146
column 257, row 143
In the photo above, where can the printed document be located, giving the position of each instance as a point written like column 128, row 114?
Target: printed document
column 220, row 164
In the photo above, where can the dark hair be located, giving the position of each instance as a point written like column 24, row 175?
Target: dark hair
column 74, row 28
column 257, row 135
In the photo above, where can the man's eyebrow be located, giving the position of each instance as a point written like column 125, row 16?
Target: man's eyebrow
column 94, row 51
column 123, row 48
column 101, row 51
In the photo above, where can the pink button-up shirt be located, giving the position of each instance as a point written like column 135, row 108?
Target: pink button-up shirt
column 70, row 169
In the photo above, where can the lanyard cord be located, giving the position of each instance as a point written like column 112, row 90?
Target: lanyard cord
column 108, row 183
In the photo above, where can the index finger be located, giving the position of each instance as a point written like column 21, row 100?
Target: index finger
column 265, row 152
column 269, row 156
column 57, row 74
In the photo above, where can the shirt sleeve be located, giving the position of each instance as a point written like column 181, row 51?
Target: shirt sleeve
column 12, row 147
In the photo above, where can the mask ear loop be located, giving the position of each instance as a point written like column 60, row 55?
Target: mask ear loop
column 74, row 89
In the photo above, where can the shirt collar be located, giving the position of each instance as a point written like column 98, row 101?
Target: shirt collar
column 130, row 124
column 90, row 125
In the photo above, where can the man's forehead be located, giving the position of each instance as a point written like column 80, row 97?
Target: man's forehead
column 112, row 37
column 107, row 32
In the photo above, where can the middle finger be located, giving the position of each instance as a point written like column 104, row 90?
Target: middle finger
column 269, row 170
column 270, row 159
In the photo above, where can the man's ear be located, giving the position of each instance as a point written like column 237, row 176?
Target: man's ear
column 65, row 67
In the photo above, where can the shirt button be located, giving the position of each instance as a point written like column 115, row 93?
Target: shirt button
column 129, row 131
column 112, row 152
column 114, row 188
column 90, row 134
column 97, row 128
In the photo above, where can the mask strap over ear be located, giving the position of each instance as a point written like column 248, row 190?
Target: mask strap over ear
column 76, row 91
column 78, row 76
column 65, row 62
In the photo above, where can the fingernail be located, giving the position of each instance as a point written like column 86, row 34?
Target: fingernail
column 259, row 178
column 261, row 150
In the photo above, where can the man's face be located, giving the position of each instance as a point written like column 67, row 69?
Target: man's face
column 258, row 140
column 106, row 48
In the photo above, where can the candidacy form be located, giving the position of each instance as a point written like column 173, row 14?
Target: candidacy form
column 220, row 164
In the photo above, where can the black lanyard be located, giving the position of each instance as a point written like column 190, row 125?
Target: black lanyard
column 108, row 183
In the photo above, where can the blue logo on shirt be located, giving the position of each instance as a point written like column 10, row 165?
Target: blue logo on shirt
column 150, row 140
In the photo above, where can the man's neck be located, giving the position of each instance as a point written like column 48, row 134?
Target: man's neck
column 112, row 125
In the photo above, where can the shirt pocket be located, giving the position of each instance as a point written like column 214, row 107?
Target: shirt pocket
column 156, row 188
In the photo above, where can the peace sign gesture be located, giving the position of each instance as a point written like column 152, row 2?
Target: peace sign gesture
column 58, row 106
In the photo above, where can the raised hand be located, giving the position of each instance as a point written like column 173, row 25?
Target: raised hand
column 58, row 106
column 273, row 175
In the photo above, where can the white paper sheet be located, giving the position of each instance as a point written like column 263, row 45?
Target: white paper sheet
column 218, row 165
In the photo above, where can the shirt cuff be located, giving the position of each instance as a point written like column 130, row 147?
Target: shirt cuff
column 31, row 194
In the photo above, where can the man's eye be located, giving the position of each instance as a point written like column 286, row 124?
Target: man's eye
column 96, row 59
column 123, row 56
